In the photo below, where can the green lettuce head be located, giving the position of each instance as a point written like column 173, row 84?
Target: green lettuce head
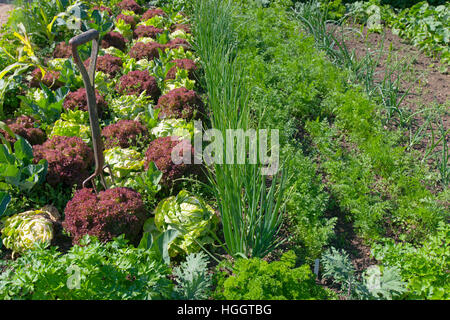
column 156, row 21
column 73, row 123
column 103, row 82
column 57, row 64
column 21, row 231
column 116, row 52
column 173, row 127
column 191, row 216
column 181, row 81
column 124, row 29
column 143, row 40
column 123, row 161
column 129, row 107
column 181, row 34
column 177, row 54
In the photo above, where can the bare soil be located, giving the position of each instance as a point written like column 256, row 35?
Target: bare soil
column 423, row 79
column 4, row 12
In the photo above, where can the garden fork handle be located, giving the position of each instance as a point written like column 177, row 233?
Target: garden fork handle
column 88, row 79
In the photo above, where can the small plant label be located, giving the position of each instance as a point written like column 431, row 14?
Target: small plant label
column 316, row 267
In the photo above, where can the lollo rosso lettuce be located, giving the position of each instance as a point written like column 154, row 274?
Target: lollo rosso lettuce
column 69, row 160
column 62, row 50
column 153, row 12
column 180, row 103
column 50, row 79
column 124, row 133
column 146, row 31
column 114, row 39
column 185, row 64
column 105, row 215
column 178, row 43
column 195, row 220
column 78, row 100
column 160, row 152
column 136, row 82
column 27, row 128
column 21, row 231
column 181, row 26
column 108, row 64
column 146, row 50
column 130, row 5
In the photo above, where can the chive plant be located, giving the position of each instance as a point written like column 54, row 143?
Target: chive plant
column 251, row 205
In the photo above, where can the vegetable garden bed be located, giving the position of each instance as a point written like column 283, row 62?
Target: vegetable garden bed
column 334, row 206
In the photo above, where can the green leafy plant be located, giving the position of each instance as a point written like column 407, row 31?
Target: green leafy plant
column 5, row 198
column 124, row 28
column 191, row 216
column 129, row 107
column 48, row 106
column 98, row 20
column 69, row 72
column 424, row 25
column 158, row 243
column 72, row 124
column 181, row 81
column 147, row 183
column 194, row 281
column 17, row 166
column 124, row 162
column 251, row 212
column 111, row 271
column 40, row 19
column 174, row 127
column 376, row 284
column 256, row 279
column 423, row 267
column 21, row 231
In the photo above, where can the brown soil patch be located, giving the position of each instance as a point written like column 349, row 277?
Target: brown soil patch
column 422, row 78
column 4, row 12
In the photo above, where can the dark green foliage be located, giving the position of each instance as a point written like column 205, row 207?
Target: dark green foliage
column 310, row 230
column 410, row 3
column 425, row 267
column 38, row 197
column 108, row 271
column 374, row 285
column 16, row 165
column 382, row 188
column 288, row 80
column 256, row 279
column 193, row 279
column 251, row 205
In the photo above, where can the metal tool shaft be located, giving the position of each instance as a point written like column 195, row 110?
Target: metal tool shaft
column 89, row 83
